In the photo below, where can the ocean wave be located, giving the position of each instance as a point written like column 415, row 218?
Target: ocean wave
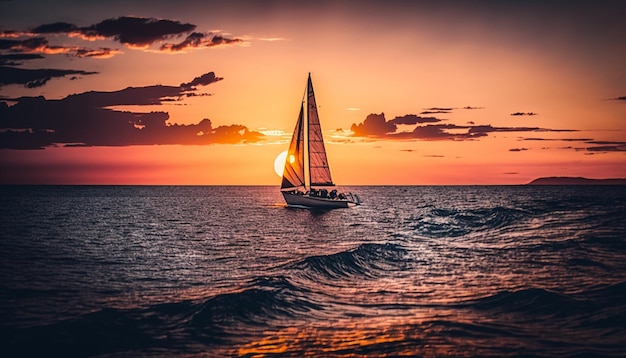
column 458, row 222
column 265, row 298
column 367, row 260
column 183, row 326
column 541, row 304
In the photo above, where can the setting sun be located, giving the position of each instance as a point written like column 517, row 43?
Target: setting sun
column 279, row 163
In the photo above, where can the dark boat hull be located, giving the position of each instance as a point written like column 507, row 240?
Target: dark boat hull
column 315, row 202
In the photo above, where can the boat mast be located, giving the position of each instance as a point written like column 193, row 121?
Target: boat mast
column 307, row 153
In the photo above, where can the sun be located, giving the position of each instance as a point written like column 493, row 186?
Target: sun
column 279, row 163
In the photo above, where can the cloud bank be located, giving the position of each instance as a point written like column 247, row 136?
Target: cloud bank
column 84, row 119
column 376, row 126
column 16, row 47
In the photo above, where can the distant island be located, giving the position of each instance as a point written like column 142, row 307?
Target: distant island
column 577, row 181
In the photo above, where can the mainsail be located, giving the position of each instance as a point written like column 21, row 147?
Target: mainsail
column 318, row 162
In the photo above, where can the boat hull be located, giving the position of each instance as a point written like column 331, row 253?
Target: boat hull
column 314, row 202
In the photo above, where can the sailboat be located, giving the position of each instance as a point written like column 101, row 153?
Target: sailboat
column 306, row 177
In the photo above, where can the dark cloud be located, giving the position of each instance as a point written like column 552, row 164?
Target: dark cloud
column 411, row 119
column 608, row 148
column 442, row 132
column 39, row 45
column 490, row 129
column 55, row 28
column 203, row 80
column 470, row 107
column 25, row 45
column 524, row 114
column 375, row 125
column 103, row 52
column 16, row 59
column 197, row 39
column 136, row 31
column 558, row 139
column 434, row 112
column 35, row 77
column 445, row 109
column 517, row 149
column 622, row 98
column 85, row 120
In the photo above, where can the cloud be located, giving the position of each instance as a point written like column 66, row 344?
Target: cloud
column 35, row 77
column 17, row 58
column 517, row 149
column 375, row 125
column 470, row 107
column 607, row 146
column 39, row 45
column 622, row 98
column 103, row 52
column 198, row 39
column 84, row 119
column 25, row 45
column 559, row 139
column 55, row 28
column 411, row 119
column 442, row 132
column 524, row 114
column 136, row 31
column 203, row 80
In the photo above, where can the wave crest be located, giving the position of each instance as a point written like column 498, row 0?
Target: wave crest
column 367, row 260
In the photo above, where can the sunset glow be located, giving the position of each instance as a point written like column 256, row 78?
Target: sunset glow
column 478, row 92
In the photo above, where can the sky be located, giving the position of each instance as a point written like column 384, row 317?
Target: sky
column 409, row 92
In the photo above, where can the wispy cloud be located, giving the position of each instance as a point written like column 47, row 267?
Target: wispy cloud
column 35, row 77
column 524, row 114
column 607, row 146
column 198, row 39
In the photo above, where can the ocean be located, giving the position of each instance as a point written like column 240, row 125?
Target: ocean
column 203, row 271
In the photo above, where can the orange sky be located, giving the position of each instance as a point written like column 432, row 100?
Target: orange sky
column 516, row 90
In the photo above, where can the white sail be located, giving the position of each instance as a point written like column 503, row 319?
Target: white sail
column 318, row 162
